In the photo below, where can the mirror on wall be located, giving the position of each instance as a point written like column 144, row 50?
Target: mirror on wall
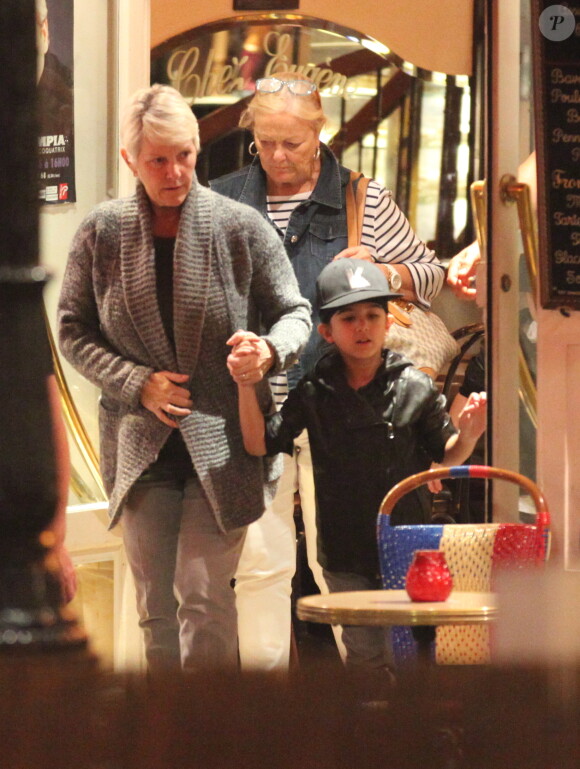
column 410, row 129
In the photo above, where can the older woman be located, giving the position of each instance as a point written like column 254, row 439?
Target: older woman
column 295, row 182
column 155, row 286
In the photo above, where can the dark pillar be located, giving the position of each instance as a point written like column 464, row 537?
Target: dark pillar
column 29, row 595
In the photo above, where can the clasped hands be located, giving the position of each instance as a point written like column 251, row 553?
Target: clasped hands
column 250, row 359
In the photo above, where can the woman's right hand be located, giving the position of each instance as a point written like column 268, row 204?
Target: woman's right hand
column 355, row 252
column 162, row 396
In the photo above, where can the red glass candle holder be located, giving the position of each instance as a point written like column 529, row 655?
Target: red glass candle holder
column 428, row 577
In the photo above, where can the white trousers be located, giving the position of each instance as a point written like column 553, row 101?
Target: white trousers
column 267, row 565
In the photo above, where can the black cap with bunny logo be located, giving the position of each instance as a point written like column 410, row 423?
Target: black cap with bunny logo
column 347, row 281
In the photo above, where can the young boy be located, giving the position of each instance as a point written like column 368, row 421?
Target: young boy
column 372, row 420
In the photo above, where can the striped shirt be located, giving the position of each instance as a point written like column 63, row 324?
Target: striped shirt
column 280, row 207
column 279, row 210
column 390, row 239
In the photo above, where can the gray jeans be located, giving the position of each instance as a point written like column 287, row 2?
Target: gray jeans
column 183, row 566
column 366, row 647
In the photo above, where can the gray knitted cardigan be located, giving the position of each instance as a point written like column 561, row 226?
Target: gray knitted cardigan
column 230, row 271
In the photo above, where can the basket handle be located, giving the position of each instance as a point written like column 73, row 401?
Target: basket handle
column 468, row 471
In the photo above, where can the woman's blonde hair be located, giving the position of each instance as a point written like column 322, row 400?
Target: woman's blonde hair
column 308, row 107
column 159, row 113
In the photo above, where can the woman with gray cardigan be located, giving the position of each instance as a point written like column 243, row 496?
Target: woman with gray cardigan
column 155, row 288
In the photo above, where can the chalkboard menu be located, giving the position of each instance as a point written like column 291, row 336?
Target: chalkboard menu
column 557, row 80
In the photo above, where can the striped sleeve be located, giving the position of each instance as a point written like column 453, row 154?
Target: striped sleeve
column 389, row 237
column 279, row 388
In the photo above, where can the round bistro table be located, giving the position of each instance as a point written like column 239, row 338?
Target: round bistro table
column 394, row 607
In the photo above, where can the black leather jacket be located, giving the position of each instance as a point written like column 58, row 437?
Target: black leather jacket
column 363, row 442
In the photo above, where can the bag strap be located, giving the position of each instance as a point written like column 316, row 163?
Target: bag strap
column 355, row 197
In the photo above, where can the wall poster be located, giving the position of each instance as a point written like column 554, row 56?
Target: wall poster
column 55, row 48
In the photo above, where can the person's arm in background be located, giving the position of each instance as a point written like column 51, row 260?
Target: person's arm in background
column 461, row 280
column 62, row 462
column 463, row 266
column 461, row 272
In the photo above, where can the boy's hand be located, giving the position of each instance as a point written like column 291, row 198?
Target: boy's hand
column 250, row 358
column 472, row 420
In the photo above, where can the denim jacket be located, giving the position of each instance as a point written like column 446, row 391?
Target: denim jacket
column 317, row 231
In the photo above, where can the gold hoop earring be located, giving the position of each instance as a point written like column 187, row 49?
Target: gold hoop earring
column 253, row 150
column 317, row 153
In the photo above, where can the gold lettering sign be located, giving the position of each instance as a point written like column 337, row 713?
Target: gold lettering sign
column 195, row 80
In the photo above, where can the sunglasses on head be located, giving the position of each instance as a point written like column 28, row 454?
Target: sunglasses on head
column 274, row 84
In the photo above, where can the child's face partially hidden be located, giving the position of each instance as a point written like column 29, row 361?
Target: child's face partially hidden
column 358, row 330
